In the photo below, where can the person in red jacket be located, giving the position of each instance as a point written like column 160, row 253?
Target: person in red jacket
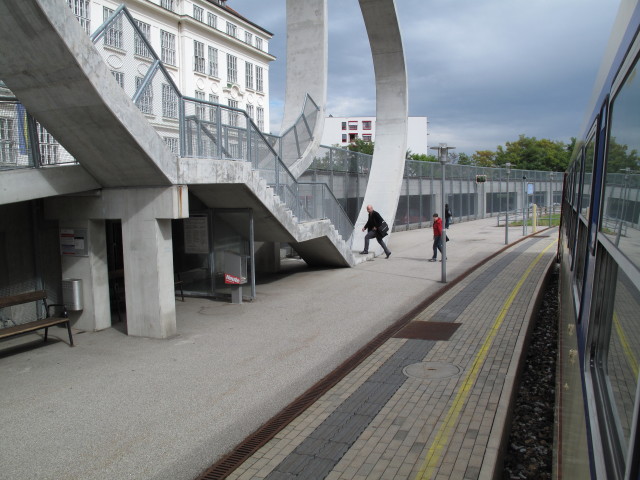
column 437, row 237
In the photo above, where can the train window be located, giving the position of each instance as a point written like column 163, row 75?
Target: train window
column 622, row 354
column 576, row 180
column 589, row 156
column 615, row 344
column 621, row 204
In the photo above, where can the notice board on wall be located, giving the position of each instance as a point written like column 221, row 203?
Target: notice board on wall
column 74, row 242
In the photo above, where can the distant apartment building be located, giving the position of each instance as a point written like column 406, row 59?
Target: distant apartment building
column 211, row 51
column 345, row 130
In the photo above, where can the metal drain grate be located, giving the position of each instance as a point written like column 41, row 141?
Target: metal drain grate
column 428, row 330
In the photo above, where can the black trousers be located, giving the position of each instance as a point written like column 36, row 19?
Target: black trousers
column 437, row 245
column 369, row 236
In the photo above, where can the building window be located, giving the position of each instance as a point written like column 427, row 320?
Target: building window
column 200, row 108
column 232, row 29
column 212, row 110
column 7, row 151
column 366, row 137
column 119, row 76
column 353, row 137
column 260, row 118
column 212, row 20
column 198, row 56
column 248, row 74
column 258, row 43
column 168, row 4
column 49, row 147
column 145, row 101
column 168, row 47
column 213, row 61
column 353, row 124
column 232, row 69
column 344, row 125
column 259, row 79
column 344, row 138
column 233, row 115
column 169, row 101
column 251, row 111
column 172, row 143
column 113, row 35
column 366, row 124
column 140, row 45
column 248, row 38
column 198, row 13
column 80, row 9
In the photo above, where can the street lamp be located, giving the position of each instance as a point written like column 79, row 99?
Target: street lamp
column 443, row 157
column 550, row 196
column 525, row 207
column 506, row 214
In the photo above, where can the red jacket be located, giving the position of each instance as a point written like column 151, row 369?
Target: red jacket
column 437, row 227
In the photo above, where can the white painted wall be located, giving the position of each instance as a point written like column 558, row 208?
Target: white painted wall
column 187, row 29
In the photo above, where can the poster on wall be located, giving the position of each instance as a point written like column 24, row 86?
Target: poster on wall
column 196, row 235
column 73, row 242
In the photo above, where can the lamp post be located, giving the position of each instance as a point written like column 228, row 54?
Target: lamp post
column 506, row 213
column 550, row 196
column 524, row 207
column 443, row 157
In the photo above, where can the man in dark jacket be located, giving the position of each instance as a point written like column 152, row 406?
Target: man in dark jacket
column 372, row 225
column 437, row 237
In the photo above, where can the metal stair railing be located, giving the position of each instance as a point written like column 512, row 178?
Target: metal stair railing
column 205, row 129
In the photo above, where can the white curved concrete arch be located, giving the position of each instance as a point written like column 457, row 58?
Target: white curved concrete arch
column 307, row 64
column 392, row 100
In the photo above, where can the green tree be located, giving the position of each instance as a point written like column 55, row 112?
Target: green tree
column 464, row 159
column 421, row 157
column 361, row 146
column 529, row 153
column 484, row 158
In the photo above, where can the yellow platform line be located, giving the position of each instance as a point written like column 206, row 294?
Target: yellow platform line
column 628, row 351
column 442, row 437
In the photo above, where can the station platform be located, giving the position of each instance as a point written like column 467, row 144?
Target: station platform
column 428, row 370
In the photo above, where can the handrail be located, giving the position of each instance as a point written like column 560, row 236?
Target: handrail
column 237, row 139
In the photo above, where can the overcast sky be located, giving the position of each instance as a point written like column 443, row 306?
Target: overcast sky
column 482, row 71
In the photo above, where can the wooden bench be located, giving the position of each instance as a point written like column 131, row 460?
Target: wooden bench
column 49, row 321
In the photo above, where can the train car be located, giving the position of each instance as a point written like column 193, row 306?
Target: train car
column 598, row 394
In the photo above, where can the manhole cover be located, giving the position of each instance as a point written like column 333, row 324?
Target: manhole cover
column 431, row 370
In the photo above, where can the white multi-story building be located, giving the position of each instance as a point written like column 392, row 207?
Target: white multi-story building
column 344, row 130
column 211, row 51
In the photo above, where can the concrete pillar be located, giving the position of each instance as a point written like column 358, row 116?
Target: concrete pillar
column 148, row 273
column 267, row 257
column 146, row 215
column 93, row 271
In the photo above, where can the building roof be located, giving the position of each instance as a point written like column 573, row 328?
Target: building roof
column 223, row 5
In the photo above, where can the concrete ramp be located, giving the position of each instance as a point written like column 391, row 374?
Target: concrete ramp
column 52, row 67
column 232, row 184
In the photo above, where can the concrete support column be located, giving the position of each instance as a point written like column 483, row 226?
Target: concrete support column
column 267, row 257
column 148, row 273
column 93, row 271
column 146, row 215
column 482, row 200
